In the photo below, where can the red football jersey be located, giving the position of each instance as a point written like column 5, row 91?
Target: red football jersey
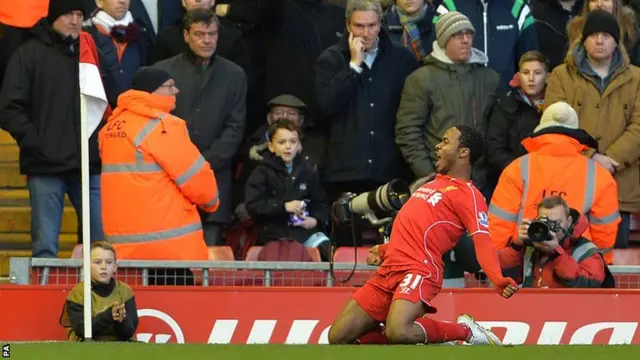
column 431, row 222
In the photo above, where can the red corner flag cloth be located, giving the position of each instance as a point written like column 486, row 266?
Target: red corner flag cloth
column 23, row 13
column 91, row 83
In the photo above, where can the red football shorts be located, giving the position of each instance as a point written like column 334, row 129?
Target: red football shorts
column 377, row 294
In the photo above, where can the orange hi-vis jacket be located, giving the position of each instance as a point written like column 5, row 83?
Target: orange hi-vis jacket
column 153, row 181
column 554, row 166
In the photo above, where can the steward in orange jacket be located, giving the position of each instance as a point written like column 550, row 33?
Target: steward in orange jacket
column 555, row 166
column 153, row 178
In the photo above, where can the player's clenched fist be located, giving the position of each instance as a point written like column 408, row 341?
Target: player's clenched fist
column 506, row 287
column 374, row 257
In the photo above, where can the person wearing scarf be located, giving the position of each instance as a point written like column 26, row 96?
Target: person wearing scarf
column 410, row 24
column 117, row 36
column 518, row 112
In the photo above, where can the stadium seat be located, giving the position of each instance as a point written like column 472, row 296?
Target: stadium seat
column 220, row 253
column 76, row 253
column 254, row 251
column 346, row 254
column 626, row 257
column 634, row 235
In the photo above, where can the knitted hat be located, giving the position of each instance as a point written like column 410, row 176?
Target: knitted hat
column 58, row 8
column 149, row 79
column 601, row 21
column 449, row 24
column 558, row 114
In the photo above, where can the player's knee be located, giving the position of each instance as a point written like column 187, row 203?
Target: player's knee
column 337, row 337
column 397, row 333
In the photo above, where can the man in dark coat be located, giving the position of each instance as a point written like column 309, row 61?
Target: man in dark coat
column 212, row 100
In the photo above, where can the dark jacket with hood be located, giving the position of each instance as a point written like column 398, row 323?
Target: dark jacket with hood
column 40, row 104
column 362, row 111
column 438, row 96
column 551, row 24
column 270, row 186
column 512, row 120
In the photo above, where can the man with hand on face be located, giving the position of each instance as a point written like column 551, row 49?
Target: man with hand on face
column 558, row 257
column 212, row 101
column 358, row 87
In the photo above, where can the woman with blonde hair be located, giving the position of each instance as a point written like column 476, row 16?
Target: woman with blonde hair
column 629, row 32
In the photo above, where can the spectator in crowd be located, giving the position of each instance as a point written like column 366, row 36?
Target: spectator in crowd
column 505, row 31
column 517, row 113
column 629, row 31
column 552, row 17
column 114, row 312
column 212, row 100
column 122, row 49
column 454, row 87
column 563, row 259
column 151, row 167
column 40, row 108
column 410, row 23
column 358, row 84
column 598, row 81
column 154, row 15
column 284, row 194
column 170, row 41
column 555, row 166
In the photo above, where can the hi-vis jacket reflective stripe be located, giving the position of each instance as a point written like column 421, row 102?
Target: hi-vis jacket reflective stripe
column 153, row 180
column 554, row 166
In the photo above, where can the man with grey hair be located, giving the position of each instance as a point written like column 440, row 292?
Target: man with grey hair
column 358, row 86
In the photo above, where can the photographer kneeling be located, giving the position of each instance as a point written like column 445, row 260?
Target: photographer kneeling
column 551, row 252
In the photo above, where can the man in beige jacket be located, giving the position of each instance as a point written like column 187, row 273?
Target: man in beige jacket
column 598, row 81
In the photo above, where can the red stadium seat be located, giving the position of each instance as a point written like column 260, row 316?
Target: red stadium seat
column 76, row 253
column 635, row 222
column 220, row 253
column 346, row 254
column 626, row 257
column 254, row 251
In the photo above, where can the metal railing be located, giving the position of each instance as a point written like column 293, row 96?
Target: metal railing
column 24, row 270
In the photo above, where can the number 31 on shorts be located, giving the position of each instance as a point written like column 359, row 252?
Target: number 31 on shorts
column 411, row 281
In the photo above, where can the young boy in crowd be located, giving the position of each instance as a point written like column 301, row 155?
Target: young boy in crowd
column 114, row 313
column 284, row 195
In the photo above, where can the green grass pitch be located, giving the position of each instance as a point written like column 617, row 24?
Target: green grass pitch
column 141, row 351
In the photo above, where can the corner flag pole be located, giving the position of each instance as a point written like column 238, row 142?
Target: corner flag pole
column 85, row 216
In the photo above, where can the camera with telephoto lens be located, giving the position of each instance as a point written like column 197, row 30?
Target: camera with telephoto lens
column 387, row 198
column 540, row 229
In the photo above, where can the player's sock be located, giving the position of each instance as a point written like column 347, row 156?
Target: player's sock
column 443, row 331
column 374, row 337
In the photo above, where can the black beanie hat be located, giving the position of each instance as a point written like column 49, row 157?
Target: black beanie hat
column 149, row 79
column 58, row 8
column 601, row 21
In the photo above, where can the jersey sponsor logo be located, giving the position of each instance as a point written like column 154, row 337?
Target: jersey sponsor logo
column 483, row 219
column 434, row 199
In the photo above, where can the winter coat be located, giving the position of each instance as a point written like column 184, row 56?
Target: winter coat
column 213, row 103
column 609, row 111
column 40, row 104
column 270, row 186
column 438, row 96
column 361, row 108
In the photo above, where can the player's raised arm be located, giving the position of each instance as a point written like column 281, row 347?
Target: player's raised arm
column 473, row 214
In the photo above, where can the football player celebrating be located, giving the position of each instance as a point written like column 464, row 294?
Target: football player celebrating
column 400, row 292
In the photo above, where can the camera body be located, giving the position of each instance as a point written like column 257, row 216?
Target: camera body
column 540, row 229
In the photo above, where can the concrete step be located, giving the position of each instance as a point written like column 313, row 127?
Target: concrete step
column 19, row 197
column 10, row 176
column 6, row 255
column 22, row 241
column 17, row 219
column 5, row 138
column 9, row 152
